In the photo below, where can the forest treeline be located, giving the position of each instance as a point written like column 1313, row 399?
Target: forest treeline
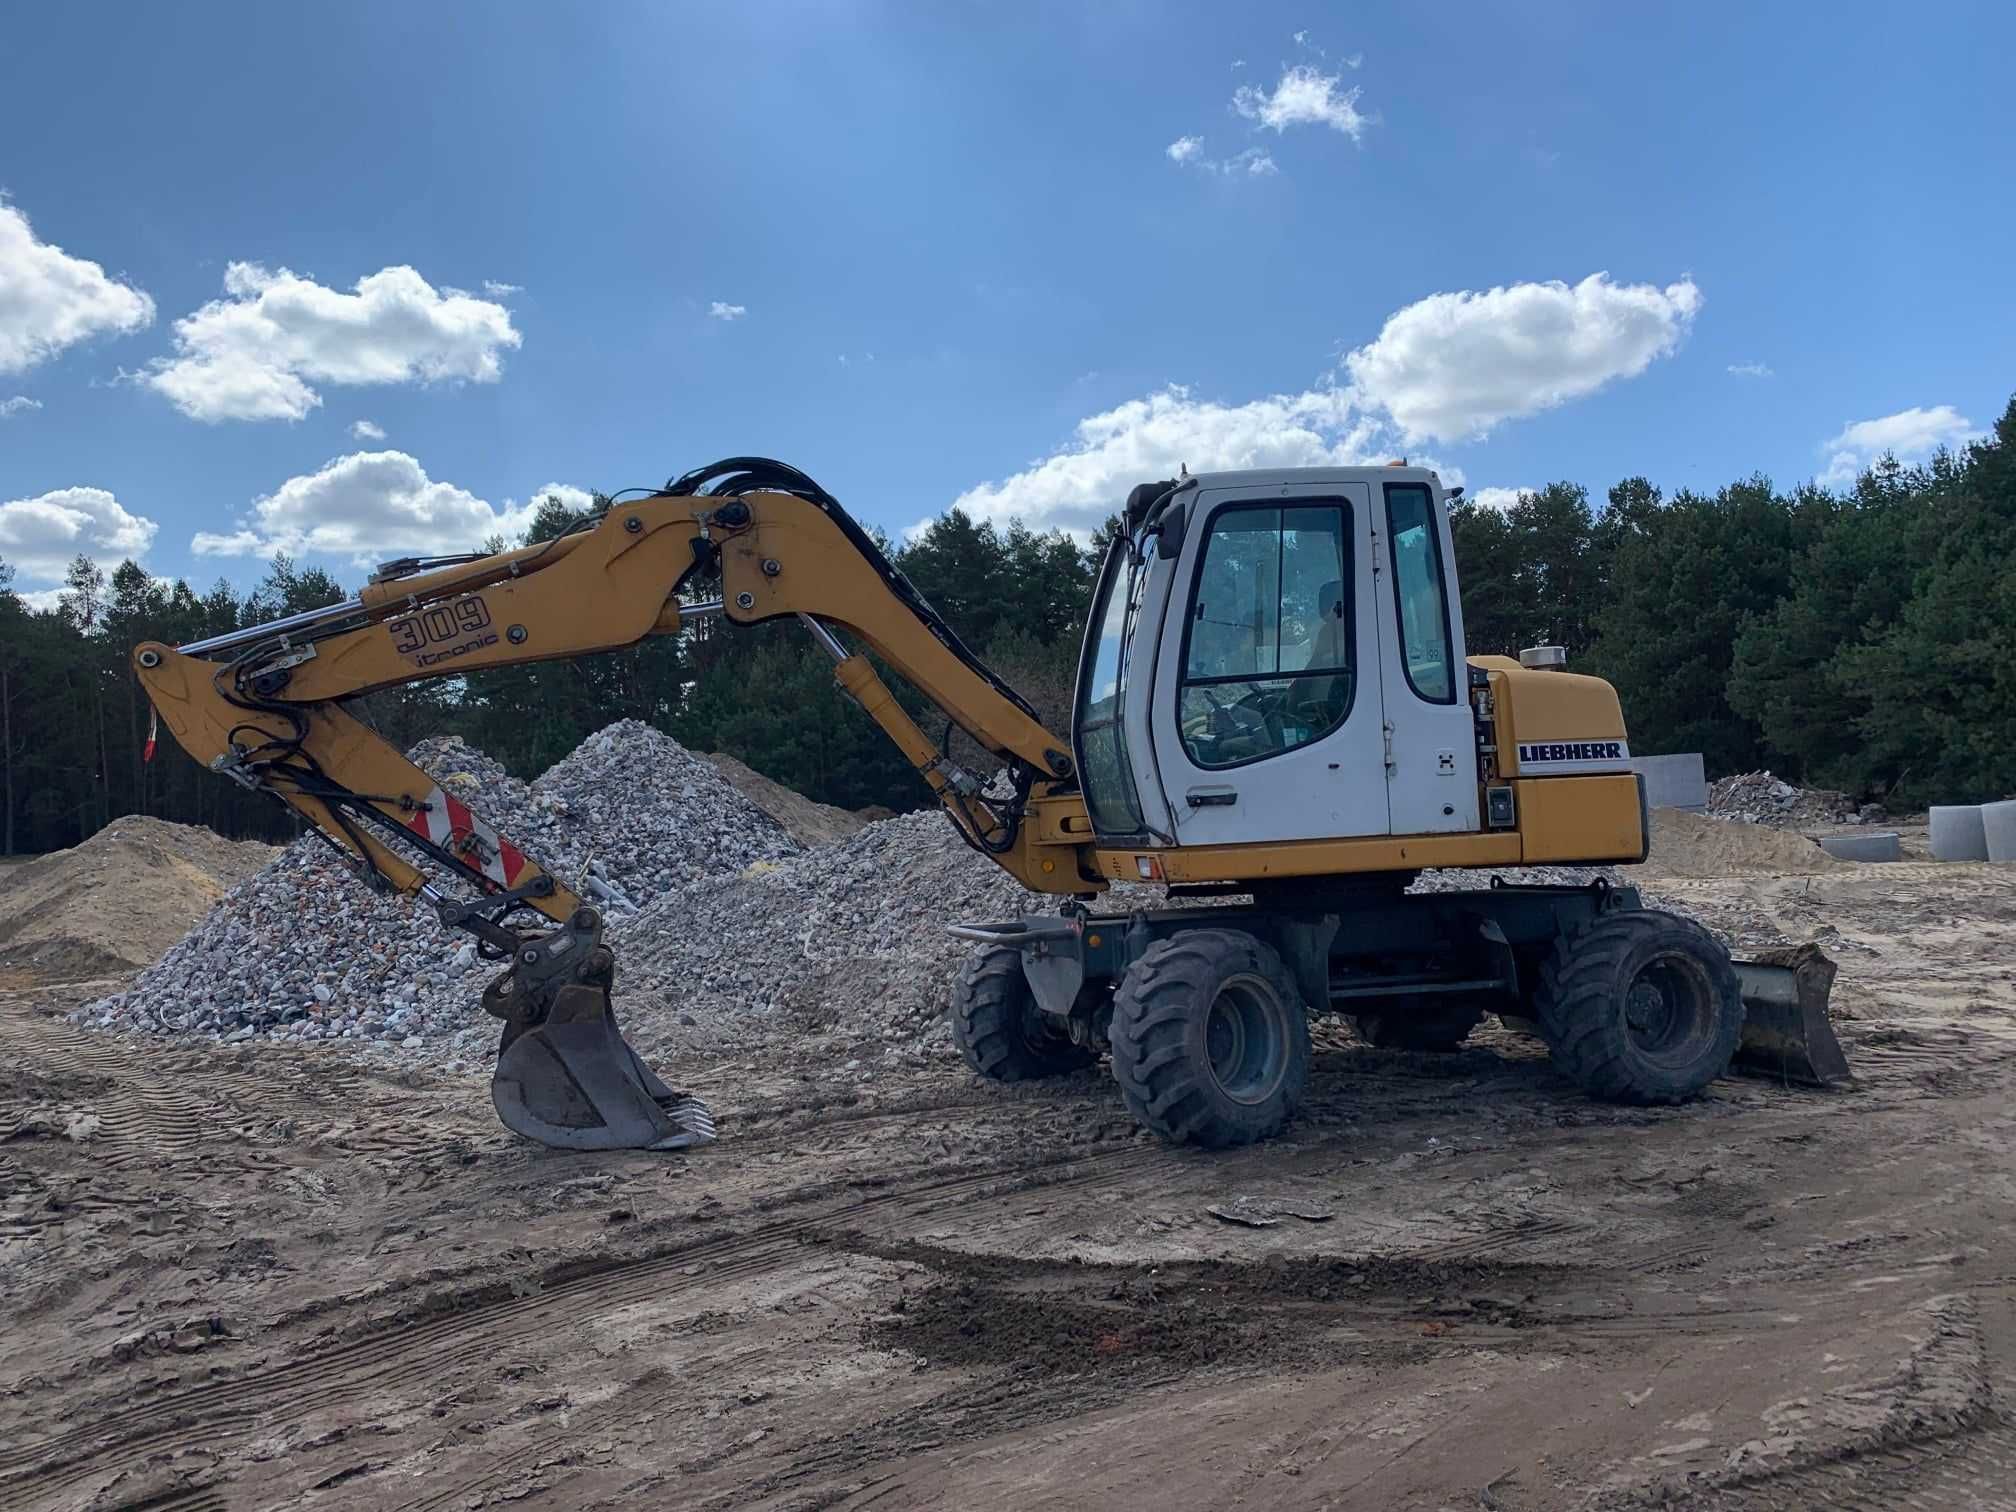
column 1862, row 639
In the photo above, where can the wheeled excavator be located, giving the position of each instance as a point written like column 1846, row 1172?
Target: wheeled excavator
column 1276, row 730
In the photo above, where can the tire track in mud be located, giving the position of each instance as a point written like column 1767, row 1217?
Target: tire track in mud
column 140, row 1116
column 1944, row 1446
column 468, row 1329
column 161, row 1107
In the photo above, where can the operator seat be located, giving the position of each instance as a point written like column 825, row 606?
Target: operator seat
column 1321, row 701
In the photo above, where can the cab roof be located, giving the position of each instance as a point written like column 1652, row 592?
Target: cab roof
column 1265, row 477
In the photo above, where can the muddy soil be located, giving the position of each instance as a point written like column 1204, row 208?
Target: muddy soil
column 280, row 1277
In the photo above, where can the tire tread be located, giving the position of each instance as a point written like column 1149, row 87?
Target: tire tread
column 1153, row 1013
column 1579, row 1017
column 990, row 1001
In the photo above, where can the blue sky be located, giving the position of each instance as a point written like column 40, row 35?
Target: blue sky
column 978, row 208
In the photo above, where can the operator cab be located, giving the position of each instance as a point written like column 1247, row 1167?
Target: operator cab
column 1278, row 656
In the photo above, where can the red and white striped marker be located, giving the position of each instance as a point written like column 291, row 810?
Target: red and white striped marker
column 449, row 823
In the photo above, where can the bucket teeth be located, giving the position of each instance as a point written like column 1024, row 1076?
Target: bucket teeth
column 696, row 1125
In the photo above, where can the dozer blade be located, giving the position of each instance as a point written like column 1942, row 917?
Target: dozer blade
column 574, row 1083
column 1786, row 1033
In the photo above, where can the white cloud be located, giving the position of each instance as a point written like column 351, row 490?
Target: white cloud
column 498, row 290
column 368, row 506
column 367, row 430
column 1511, row 352
column 722, row 310
column 1301, row 37
column 1750, row 370
column 1908, row 435
column 1303, row 97
column 1254, row 162
column 1452, row 366
column 1495, row 498
column 50, row 300
column 1086, row 479
column 254, row 354
column 1911, row 432
column 1238, row 62
column 40, row 536
column 20, row 404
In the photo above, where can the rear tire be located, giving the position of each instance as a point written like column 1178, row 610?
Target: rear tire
column 1641, row 1007
column 1439, row 1030
column 998, row 1027
column 1210, row 1039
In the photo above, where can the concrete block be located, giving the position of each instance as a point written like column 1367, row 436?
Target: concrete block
column 1674, row 781
column 1957, row 834
column 1878, row 845
column 1998, row 828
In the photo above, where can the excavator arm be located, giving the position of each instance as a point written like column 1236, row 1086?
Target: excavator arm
column 265, row 707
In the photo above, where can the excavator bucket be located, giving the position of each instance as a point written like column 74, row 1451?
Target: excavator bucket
column 572, row 1082
column 1786, row 1032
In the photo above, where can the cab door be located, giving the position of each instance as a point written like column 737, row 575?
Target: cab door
column 1266, row 718
column 1432, row 743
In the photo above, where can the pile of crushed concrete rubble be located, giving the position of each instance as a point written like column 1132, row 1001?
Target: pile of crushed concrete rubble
column 1761, row 798
column 302, row 950
column 725, row 927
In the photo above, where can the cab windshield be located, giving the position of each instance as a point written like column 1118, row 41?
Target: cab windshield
column 1098, row 728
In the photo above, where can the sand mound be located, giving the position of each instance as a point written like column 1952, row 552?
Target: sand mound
column 1691, row 845
column 116, row 902
column 807, row 822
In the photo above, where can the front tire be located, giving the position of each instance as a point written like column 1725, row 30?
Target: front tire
column 1641, row 1007
column 998, row 1027
column 1210, row 1039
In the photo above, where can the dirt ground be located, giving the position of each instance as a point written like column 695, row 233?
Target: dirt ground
column 268, row 1277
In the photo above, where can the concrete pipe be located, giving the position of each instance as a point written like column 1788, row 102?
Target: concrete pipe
column 1957, row 834
column 1998, row 826
column 1880, row 846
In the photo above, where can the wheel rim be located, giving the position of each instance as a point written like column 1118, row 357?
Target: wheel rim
column 1040, row 1037
column 1245, row 1040
column 1669, row 1009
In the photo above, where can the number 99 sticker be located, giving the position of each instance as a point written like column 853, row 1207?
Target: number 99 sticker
column 444, row 632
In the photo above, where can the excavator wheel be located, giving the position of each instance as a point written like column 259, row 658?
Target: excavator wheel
column 1434, row 1029
column 1641, row 1007
column 998, row 1028
column 1210, row 1039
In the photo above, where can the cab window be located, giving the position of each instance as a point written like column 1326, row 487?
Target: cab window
column 1104, row 764
column 1419, row 593
column 1269, row 655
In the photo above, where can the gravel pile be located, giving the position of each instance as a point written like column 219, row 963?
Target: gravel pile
column 809, row 823
column 302, row 950
column 1761, row 798
column 847, row 938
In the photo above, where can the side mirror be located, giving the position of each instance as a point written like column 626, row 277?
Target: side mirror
column 1169, row 528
